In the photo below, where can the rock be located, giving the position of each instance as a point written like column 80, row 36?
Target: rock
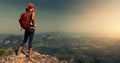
column 35, row 58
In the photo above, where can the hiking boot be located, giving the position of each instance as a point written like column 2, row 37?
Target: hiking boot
column 17, row 53
column 19, row 50
column 29, row 52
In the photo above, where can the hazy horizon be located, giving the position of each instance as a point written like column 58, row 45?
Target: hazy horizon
column 84, row 17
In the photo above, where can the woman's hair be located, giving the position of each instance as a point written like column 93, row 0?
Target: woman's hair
column 27, row 8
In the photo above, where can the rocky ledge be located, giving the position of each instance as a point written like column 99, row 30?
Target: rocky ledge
column 35, row 58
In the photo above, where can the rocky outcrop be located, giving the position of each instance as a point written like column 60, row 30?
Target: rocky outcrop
column 35, row 58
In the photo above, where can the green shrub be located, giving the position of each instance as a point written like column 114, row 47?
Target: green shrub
column 4, row 51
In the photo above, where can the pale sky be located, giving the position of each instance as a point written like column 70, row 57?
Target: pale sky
column 92, row 17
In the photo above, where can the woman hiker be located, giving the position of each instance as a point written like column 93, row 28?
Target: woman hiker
column 29, row 32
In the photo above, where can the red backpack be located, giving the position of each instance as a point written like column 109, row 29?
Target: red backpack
column 24, row 20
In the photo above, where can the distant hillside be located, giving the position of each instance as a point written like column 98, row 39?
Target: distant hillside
column 13, row 41
column 67, row 47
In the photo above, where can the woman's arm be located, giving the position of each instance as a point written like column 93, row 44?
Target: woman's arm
column 33, row 19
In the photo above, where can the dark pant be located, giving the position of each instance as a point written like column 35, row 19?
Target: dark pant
column 29, row 33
